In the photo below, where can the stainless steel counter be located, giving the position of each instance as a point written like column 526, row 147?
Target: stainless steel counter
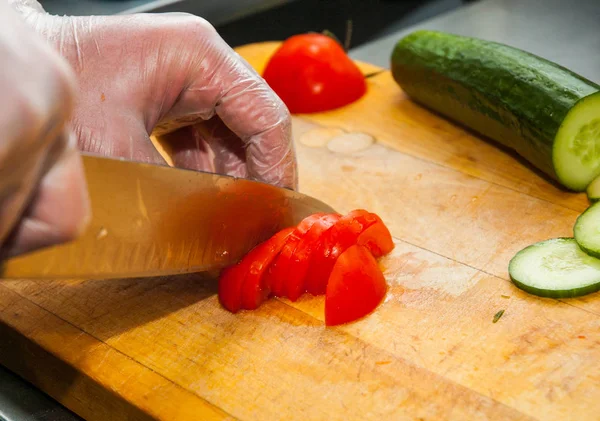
column 564, row 31
column 217, row 12
column 19, row 401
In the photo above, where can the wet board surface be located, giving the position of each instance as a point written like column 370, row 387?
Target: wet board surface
column 459, row 208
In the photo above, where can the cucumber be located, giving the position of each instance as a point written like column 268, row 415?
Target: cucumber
column 547, row 114
column 586, row 230
column 593, row 190
column 555, row 268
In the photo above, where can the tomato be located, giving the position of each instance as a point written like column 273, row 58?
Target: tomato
column 377, row 239
column 355, row 288
column 254, row 288
column 312, row 73
column 230, row 285
column 233, row 280
column 275, row 277
column 299, row 261
column 325, row 254
column 335, row 241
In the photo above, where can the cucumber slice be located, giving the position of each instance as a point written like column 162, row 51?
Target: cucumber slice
column 587, row 230
column 593, row 190
column 555, row 268
column 576, row 150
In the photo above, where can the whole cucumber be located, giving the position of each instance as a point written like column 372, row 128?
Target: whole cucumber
column 544, row 112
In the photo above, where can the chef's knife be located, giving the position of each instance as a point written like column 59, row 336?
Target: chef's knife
column 151, row 220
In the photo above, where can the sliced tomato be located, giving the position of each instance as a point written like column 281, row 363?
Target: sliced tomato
column 254, row 288
column 377, row 238
column 336, row 240
column 277, row 272
column 299, row 261
column 355, row 288
column 230, row 285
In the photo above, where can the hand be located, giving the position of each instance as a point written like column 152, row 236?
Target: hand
column 43, row 197
column 170, row 73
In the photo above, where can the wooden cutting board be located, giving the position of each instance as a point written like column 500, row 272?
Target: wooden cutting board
column 459, row 207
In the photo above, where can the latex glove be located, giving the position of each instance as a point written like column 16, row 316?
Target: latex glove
column 43, row 198
column 147, row 73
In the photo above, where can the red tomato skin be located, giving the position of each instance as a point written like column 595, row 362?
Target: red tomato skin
column 231, row 280
column 299, row 261
column 312, row 73
column 335, row 241
column 377, row 238
column 254, row 289
column 355, row 288
column 275, row 277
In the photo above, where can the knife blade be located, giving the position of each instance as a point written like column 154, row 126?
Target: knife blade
column 152, row 220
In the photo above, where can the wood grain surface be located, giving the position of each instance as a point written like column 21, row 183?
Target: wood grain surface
column 459, row 207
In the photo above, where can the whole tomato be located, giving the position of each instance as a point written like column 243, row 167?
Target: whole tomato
column 312, row 73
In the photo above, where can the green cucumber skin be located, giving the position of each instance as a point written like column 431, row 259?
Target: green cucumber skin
column 589, row 251
column 513, row 97
column 572, row 293
column 593, row 191
column 551, row 293
column 576, row 228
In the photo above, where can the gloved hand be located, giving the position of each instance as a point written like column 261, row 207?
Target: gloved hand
column 145, row 73
column 43, row 196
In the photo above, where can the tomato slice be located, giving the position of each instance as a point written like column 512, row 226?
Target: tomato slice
column 334, row 242
column 377, row 238
column 355, row 288
column 276, row 275
column 254, row 289
column 299, row 261
column 230, row 285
